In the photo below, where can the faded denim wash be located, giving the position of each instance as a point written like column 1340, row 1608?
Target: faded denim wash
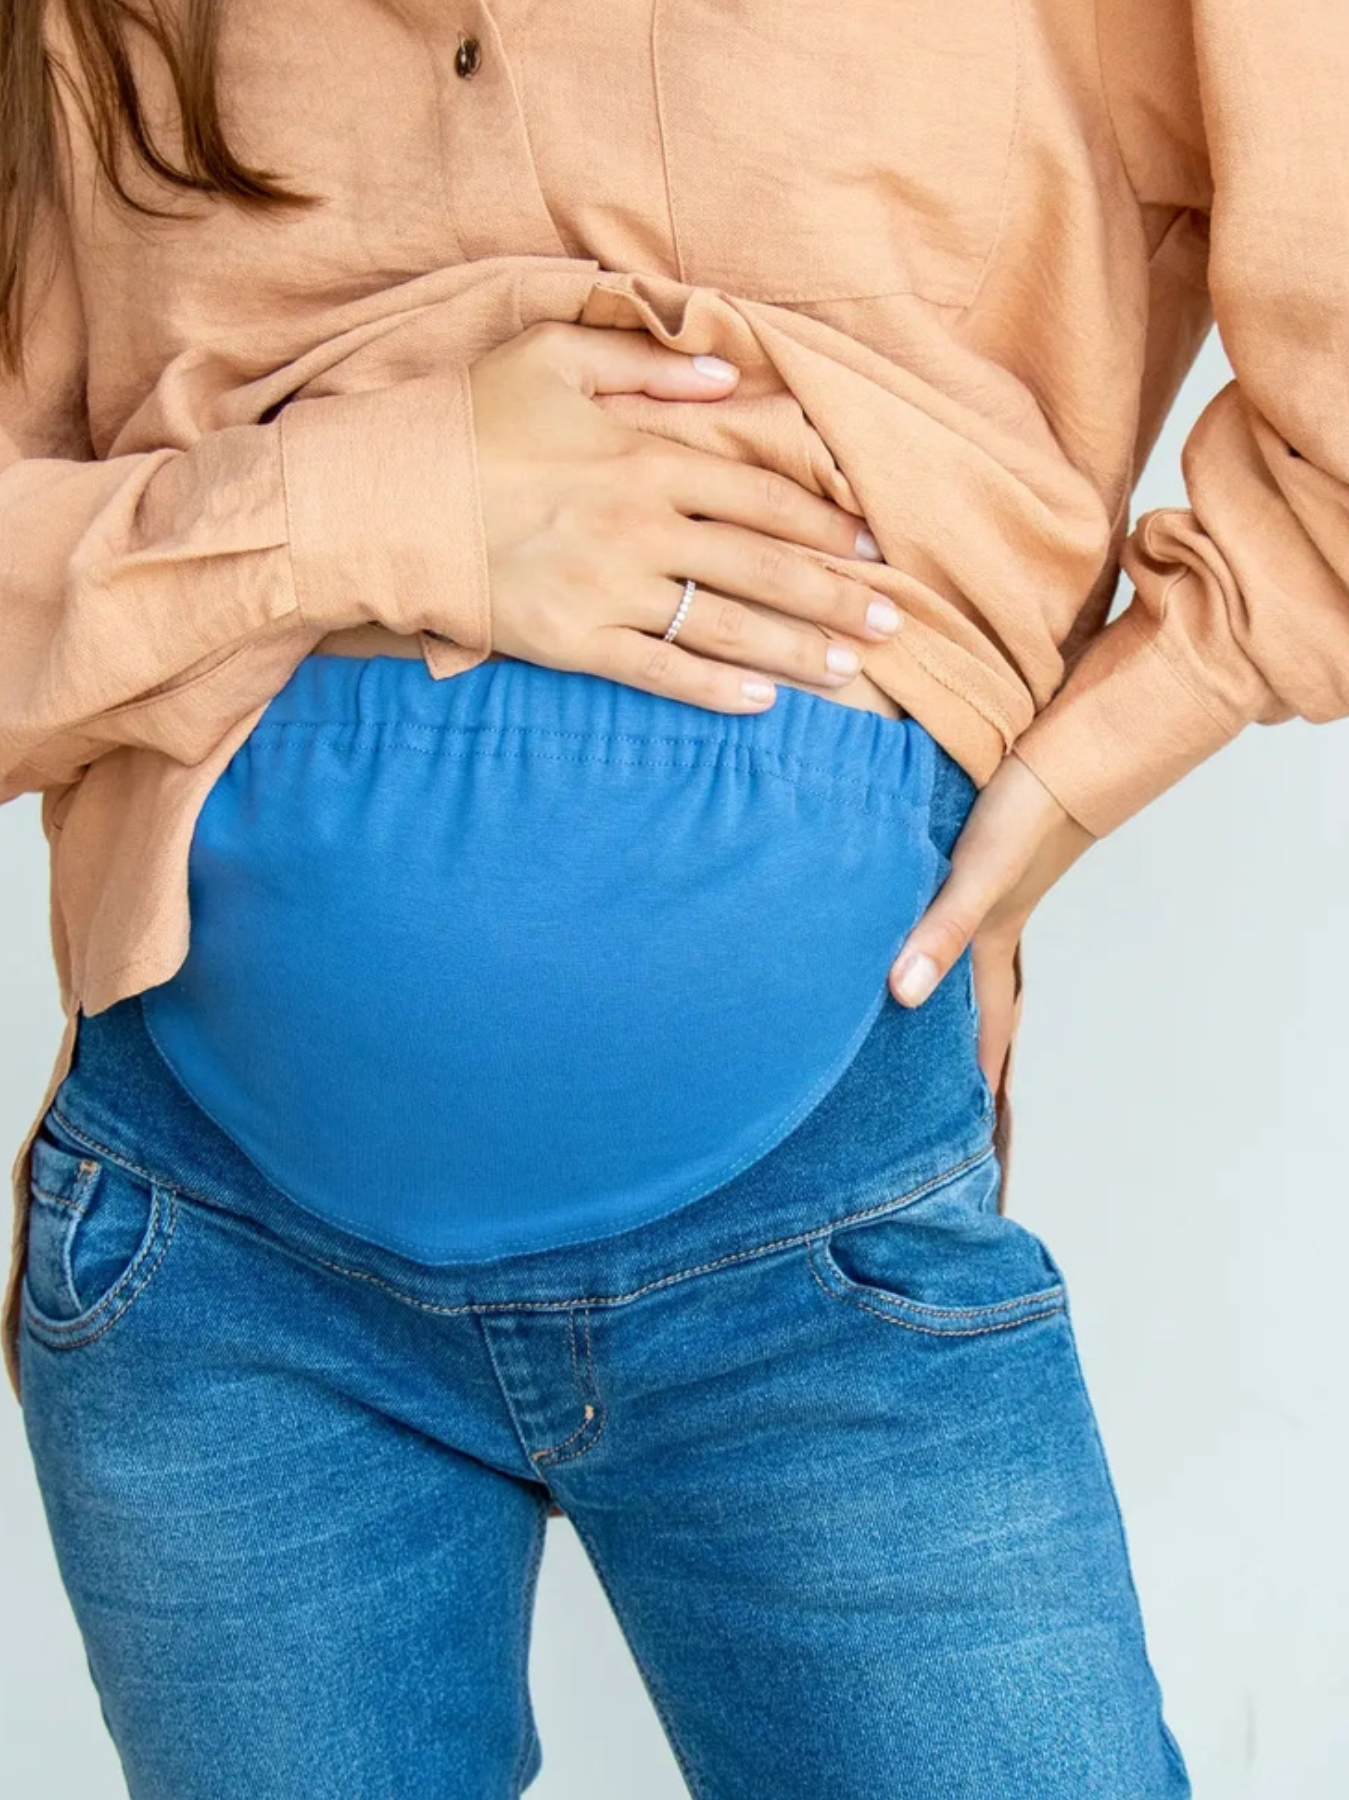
column 823, row 1433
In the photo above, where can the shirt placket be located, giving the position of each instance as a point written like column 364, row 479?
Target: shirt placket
column 490, row 175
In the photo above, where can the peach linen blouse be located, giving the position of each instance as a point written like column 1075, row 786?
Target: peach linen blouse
column 963, row 252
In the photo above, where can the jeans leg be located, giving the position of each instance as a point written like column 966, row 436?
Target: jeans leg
column 289, row 1587
column 853, row 1513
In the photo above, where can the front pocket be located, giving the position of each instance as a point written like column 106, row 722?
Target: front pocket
column 948, row 1264
column 97, row 1232
column 818, row 152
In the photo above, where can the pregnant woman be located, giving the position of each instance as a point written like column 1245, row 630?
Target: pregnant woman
column 528, row 534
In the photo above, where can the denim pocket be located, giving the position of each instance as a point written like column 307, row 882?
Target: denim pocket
column 97, row 1232
column 948, row 1264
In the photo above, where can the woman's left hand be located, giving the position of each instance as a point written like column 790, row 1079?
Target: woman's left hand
column 1017, row 841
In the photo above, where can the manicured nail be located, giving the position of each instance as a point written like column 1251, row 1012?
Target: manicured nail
column 867, row 546
column 917, row 978
column 881, row 616
column 842, row 661
column 758, row 690
column 714, row 368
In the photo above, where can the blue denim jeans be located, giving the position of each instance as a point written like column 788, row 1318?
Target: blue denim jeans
column 823, row 1433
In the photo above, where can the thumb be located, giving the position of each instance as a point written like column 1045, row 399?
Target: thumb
column 606, row 359
column 936, row 943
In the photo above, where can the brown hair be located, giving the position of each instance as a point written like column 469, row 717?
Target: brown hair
column 110, row 104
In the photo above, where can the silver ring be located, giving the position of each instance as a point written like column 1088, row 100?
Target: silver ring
column 682, row 612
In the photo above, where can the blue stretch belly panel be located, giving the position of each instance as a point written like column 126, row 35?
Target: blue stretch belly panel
column 525, row 956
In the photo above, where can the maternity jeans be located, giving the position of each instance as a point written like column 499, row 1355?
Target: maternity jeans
column 822, row 1431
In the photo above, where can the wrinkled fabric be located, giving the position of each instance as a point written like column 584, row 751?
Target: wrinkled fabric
column 963, row 255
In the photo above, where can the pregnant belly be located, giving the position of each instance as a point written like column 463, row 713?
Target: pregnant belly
column 518, row 958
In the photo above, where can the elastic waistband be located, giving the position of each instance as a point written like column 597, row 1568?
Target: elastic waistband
column 909, row 1113
column 802, row 736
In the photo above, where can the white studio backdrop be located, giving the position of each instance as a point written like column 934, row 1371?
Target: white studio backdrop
column 1182, row 1129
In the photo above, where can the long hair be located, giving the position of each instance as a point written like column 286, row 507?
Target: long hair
column 106, row 94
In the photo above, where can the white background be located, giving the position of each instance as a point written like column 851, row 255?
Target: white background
column 1182, row 1125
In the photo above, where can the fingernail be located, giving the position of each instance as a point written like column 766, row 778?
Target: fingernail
column 714, row 368
column 917, row 978
column 867, row 546
column 842, row 661
column 881, row 616
column 758, row 690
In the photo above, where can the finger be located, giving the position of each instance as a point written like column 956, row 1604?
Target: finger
column 940, row 937
column 995, row 994
column 602, row 359
column 740, row 561
column 708, row 486
column 657, row 667
column 718, row 625
column 607, row 360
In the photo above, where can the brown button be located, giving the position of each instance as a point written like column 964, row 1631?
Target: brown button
column 467, row 56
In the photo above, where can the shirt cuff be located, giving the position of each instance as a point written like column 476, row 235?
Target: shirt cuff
column 384, row 511
column 1124, row 727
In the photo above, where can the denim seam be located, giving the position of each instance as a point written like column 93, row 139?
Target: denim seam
column 561, row 1444
column 850, row 1299
column 1170, row 1748
column 41, row 1193
column 522, row 1645
column 73, row 1334
column 78, row 1198
column 591, row 1399
column 951, row 1312
column 735, row 1256
column 123, row 1162
column 693, row 1780
column 581, row 1449
column 592, row 1385
column 891, row 1204
column 1049, row 1294
column 575, row 1366
column 503, row 1389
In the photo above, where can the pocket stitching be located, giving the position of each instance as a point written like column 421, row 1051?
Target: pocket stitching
column 72, row 1334
column 107, row 1153
column 838, row 1285
column 887, row 1318
column 852, row 1298
column 71, row 1205
column 943, row 1312
column 916, row 284
column 86, row 1175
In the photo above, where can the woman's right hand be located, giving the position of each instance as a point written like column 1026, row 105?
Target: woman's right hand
column 592, row 528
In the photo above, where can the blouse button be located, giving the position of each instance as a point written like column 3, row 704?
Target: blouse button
column 467, row 56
